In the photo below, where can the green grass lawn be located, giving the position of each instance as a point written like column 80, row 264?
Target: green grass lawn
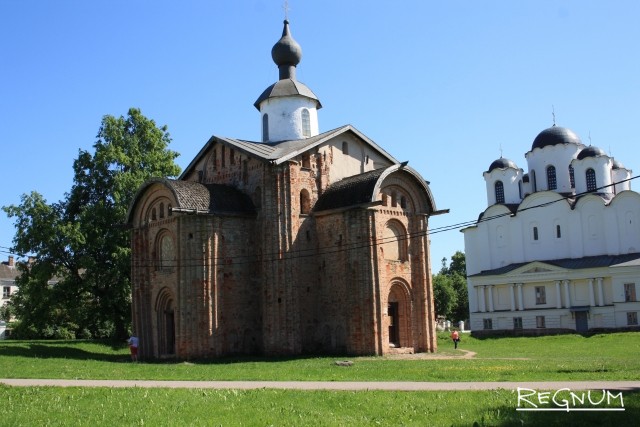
column 554, row 358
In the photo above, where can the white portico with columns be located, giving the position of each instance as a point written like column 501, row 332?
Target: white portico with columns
column 558, row 247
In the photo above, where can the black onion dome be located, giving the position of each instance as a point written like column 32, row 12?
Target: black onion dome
column 286, row 51
column 591, row 151
column 502, row 163
column 555, row 135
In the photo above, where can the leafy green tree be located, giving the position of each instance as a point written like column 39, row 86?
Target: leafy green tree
column 81, row 243
column 450, row 289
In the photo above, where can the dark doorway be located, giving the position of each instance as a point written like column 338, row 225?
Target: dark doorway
column 394, row 336
column 170, row 331
column 582, row 324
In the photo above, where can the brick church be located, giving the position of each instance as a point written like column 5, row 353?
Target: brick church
column 303, row 242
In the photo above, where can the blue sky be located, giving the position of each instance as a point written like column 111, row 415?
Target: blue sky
column 445, row 85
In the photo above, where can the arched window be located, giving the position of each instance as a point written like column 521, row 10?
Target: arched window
column 552, row 183
column 154, row 216
column 223, row 154
column 161, row 210
column 558, row 231
column 535, row 233
column 394, row 244
column 257, row 197
column 306, row 161
column 385, row 199
column 306, row 123
column 345, row 148
column 534, row 184
column 499, row 189
column 265, row 127
column 591, row 180
column 520, row 188
column 403, row 202
column 305, row 202
column 572, row 177
column 394, row 199
column 165, row 252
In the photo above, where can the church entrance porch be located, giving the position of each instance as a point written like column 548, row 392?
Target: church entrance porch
column 399, row 336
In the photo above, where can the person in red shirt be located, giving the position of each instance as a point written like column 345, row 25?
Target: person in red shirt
column 455, row 336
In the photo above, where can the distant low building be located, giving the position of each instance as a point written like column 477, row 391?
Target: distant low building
column 557, row 248
column 8, row 274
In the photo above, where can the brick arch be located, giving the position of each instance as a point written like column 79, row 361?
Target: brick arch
column 394, row 243
column 165, row 322
column 399, row 312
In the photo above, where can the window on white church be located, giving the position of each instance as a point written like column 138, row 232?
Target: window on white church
column 558, row 231
column 487, row 323
column 591, row 180
column 345, row 148
column 572, row 177
column 535, row 233
column 540, row 322
column 517, row 323
column 629, row 292
column 552, row 183
column 265, row 127
column 305, row 202
column 632, row 318
column 534, row 184
column 520, row 188
column 499, row 188
column 306, row 123
column 541, row 296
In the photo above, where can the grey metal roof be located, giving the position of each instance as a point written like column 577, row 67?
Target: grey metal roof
column 281, row 151
column 200, row 198
column 572, row 263
column 354, row 190
column 287, row 87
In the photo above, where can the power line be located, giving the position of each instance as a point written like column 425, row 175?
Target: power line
column 334, row 249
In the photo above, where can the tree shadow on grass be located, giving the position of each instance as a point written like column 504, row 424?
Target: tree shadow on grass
column 59, row 350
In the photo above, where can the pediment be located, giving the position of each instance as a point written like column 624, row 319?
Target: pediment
column 536, row 267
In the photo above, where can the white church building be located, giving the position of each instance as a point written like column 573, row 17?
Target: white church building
column 558, row 247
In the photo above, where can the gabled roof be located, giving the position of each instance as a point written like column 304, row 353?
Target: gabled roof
column 571, row 263
column 194, row 197
column 282, row 151
column 363, row 188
